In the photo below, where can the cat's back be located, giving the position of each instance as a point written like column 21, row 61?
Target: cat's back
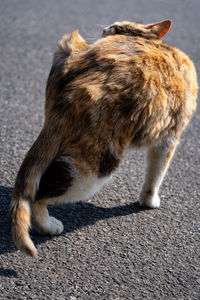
column 155, row 69
column 149, row 55
column 118, row 56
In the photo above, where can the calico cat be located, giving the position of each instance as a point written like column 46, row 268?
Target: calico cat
column 128, row 89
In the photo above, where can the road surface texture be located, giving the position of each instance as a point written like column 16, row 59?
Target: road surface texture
column 111, row 248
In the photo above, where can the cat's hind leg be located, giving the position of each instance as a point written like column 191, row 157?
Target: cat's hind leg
column 44, row 223
column 54, row 183
column 157, row 161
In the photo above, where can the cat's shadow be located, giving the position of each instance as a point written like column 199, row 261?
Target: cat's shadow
column 73, row 216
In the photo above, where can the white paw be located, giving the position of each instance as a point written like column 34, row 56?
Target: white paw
column 55, row 226
column 151, row 201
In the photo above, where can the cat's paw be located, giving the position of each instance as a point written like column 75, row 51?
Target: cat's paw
column 149, row 200
column 52, row 226
column 55, row 226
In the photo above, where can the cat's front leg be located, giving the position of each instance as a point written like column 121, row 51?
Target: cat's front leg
column 157, row 161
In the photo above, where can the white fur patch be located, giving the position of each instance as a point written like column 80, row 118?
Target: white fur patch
column 107, row 27
column 82, row 187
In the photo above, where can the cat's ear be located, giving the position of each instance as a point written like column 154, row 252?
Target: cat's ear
column 72, row 43
column 76, row 42
column 161, row 28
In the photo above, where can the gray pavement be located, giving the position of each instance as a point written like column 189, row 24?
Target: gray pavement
column 110, row 248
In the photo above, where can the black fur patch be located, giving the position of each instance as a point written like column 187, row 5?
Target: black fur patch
column 90, row 61
column 55, row 181
column 149, row 192
column 86, row 121
column 108, row 163
column 128, row 106
column 139, row 135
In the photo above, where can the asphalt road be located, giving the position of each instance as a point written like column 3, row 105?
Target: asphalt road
column 111, row 248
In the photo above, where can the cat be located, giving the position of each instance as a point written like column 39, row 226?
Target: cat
column 128, row 89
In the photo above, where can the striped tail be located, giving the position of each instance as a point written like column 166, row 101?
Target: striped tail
column 27, row 182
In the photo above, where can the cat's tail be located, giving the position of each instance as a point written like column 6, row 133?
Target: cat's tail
column 27, row 182
column 72, row 43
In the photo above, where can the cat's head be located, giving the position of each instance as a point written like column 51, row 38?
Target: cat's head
column 149, row 31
